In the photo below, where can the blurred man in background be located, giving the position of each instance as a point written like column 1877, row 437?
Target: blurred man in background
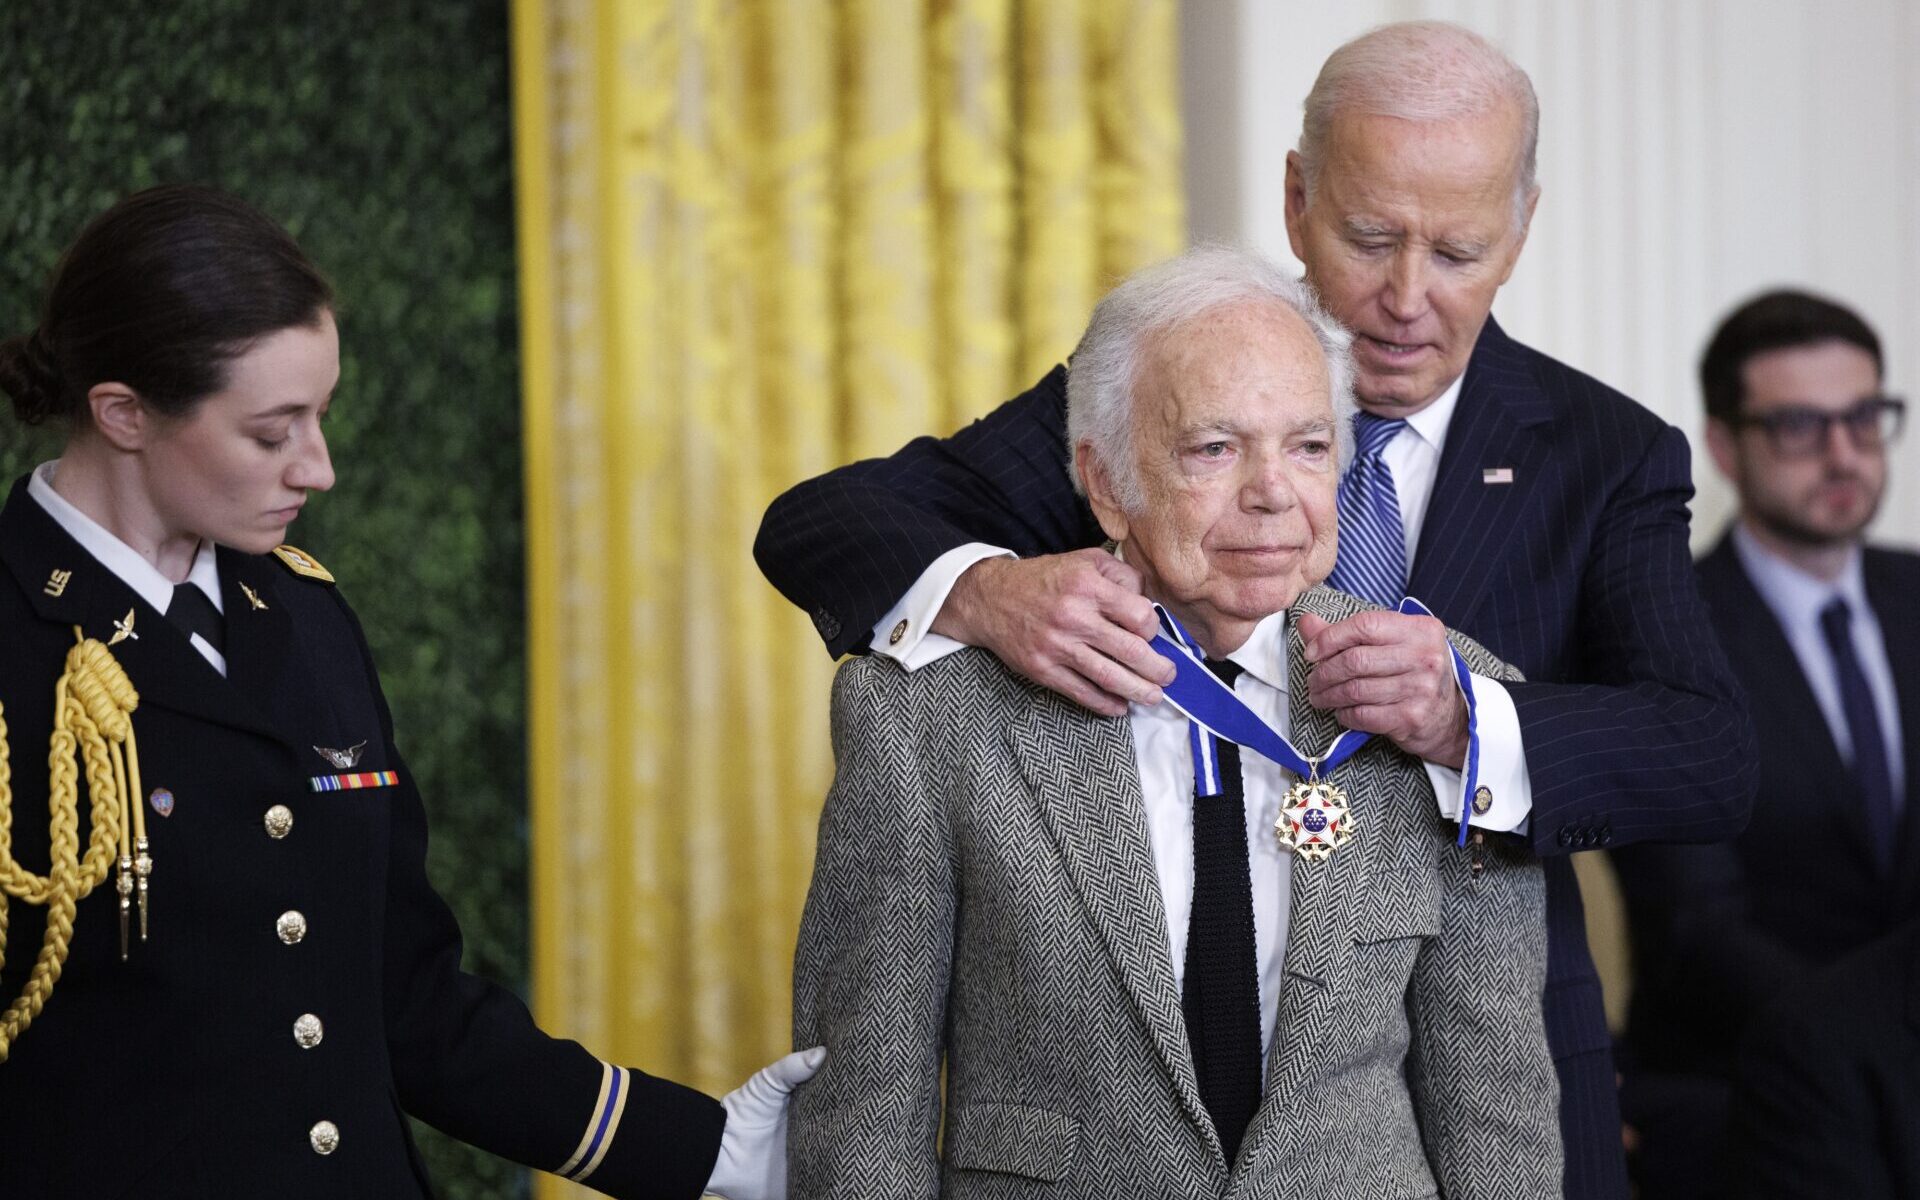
column 1819, row 628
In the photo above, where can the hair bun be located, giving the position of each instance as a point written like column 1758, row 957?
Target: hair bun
column 31, row 375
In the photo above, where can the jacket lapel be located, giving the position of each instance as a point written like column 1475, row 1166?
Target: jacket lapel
column 1902, row 640
column 1497, row 424
column 1768, row 667
column 1321, row 897
column 162, row 665
column 1086, row 783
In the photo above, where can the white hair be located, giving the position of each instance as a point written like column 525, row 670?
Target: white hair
column 1106, row 365
column 1423, row 71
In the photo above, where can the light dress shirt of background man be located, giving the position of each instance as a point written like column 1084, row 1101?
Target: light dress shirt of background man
column 1820, row 629
column 1538, row 511
column 1041, row 901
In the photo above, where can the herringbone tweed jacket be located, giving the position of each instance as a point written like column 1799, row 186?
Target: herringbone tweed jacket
column 984, row 899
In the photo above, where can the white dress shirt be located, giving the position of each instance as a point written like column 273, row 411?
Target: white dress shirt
column 906, row 634
column 125, row 562
column 1796, row 599
column 1165, row 758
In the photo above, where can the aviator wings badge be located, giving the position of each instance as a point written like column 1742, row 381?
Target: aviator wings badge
column 343, row 759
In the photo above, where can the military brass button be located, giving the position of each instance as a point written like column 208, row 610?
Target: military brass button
column 324, row 1137
column 899, row 631
column 1482, row 799
column 292, row 926
column 307, row 1031
column 279, row 821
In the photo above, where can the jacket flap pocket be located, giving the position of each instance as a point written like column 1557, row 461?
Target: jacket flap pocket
column 1398, row 904
column 1013, row 1140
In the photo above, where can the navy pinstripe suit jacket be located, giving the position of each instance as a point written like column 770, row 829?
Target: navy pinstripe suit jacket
column 1577, row 572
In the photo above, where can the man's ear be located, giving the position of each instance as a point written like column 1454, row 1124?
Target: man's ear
column 1296, row 206
column 1720, row 444
column 1520, row 242
column 1100, row 494
column 119, row 416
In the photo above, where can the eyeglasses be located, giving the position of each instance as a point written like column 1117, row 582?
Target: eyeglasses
column 1798, row 432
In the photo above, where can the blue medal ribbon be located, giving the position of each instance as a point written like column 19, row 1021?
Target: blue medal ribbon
column 1216, row 712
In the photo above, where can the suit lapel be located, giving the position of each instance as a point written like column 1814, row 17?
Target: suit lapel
column 1496, row 425
column 161, row 663
column 1321, row 896
column 1086, row 782
column 1902, row 640
column 1770, row 669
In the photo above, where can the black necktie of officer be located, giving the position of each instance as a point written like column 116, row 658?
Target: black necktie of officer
column 194, row 613
column 1220, row 994
column 1870, row 771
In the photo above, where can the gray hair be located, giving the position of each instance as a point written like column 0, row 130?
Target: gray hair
column 1105, row 367
column 1424, row 71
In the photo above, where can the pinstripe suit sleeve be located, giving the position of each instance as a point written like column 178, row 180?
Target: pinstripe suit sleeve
column 846, row 546
column 875, row 950
column 1654, row 742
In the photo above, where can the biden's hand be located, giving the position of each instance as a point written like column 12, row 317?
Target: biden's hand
column 1389, row 674
column 1075, row 623
column 753, row 1147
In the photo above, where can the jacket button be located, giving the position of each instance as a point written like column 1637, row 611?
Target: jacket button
column 279, row 821
column 307, row 1031
column 1606, row 836
column 324, row 1137
column 1565, row 837
column 292, row 926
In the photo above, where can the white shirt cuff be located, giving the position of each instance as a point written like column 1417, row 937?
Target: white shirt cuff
column 1504, row 788
column 906, row 634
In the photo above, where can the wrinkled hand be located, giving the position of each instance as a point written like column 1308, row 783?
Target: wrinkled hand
column 1390, row 674
column 1075, row 623
column 753, row 1148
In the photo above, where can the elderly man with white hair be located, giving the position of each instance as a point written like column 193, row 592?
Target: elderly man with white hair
column 1154, row 961
column 1530, row 506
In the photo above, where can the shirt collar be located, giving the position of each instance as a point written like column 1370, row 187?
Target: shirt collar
column 115, row 555
column 1264, row 654
column 1431, row 422
column 1795, row 596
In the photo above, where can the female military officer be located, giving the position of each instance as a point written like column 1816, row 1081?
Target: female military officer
column 233, row 975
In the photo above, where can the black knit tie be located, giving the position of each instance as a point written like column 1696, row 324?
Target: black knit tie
column 1221, row 992
column 194, row 613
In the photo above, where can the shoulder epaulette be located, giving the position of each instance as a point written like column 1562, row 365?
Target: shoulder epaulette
column 301, row 563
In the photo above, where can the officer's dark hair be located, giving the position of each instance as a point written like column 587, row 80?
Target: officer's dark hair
column 160, row 293
column 1776, row 320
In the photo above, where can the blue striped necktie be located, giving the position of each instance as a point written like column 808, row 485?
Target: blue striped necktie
column 1373, row 545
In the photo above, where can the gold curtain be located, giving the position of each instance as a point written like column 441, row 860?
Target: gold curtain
column 759, row 240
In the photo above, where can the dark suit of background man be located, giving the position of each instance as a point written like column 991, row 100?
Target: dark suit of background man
column 1551, row 519
column 1821, row 630
column 1826, row 1098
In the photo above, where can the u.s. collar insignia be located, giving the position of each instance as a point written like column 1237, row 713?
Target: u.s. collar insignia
column 57, row 583
column 1314, row 819
column 344, row 759
column 253, row 597
column 123, row 629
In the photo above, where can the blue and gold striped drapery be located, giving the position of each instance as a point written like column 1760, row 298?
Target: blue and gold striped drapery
column 759, row 239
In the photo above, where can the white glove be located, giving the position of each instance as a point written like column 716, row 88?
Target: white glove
column 753, row 1148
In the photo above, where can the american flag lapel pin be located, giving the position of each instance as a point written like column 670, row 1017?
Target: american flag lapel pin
column 1496, row 475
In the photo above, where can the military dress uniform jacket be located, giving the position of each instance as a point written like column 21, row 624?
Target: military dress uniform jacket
column 301, row 987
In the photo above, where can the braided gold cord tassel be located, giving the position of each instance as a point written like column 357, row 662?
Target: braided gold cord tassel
column 93, row 705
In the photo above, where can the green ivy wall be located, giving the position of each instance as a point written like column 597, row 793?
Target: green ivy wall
column 379, row 134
